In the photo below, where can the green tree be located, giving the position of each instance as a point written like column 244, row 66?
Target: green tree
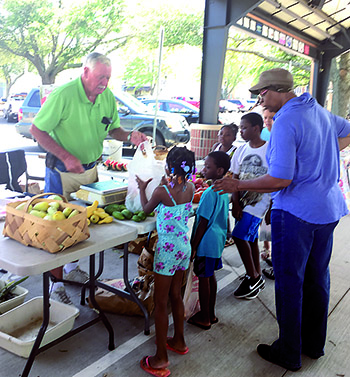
column 11, row 69
column 140, row 72
column 180, row 29
column 54, row 35
column 339, row 89
column 247, row 57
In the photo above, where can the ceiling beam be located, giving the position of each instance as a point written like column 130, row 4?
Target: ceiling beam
column 322, row 15
column 279, row 8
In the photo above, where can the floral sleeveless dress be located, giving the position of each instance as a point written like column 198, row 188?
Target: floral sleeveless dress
column 173, row 249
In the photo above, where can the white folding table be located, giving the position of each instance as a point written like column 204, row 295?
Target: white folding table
column 23, row 260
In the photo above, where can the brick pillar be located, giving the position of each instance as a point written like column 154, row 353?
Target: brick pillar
column 203, row 137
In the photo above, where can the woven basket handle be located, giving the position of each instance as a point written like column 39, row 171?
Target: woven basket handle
column 29, row 202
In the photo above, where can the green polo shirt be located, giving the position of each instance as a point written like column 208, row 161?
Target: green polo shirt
column 75, row 123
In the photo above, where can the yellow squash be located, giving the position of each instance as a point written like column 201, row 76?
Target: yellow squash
column 90, row 209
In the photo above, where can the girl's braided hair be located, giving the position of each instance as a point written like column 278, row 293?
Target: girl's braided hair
column 232, row 127
column 181, row 161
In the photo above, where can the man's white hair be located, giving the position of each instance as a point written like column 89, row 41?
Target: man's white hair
column 96, row 57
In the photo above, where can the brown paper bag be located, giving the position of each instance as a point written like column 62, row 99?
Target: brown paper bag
column 112, row 303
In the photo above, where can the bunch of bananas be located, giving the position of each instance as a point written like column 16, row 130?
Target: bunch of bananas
column 97, row 215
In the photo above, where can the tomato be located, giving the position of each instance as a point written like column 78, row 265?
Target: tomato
column 197, row 195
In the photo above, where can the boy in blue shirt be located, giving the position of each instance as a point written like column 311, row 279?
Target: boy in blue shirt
column 208, row 239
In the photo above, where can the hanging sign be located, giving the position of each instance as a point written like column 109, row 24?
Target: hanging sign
column 275, row 34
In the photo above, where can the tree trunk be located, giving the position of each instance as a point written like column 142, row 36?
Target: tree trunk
column 344, row 85
column 10, row 82
column 47, row 78
column 334, row 79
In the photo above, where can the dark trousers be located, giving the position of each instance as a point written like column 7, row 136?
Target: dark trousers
column 301, row 252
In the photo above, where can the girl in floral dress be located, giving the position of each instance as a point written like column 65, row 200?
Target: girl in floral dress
column 173, row 203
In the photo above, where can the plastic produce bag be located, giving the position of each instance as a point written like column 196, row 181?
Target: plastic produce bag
column 145, row 166
column 191, row 295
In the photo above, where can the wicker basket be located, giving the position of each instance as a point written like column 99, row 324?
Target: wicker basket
column 52, row 236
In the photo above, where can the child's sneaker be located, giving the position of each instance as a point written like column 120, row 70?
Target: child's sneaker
column 76, row 275
column 60, row 295
column 255, row 293
column 248, row 286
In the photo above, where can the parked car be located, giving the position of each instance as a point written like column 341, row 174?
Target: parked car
column 134, row 115
column 228, row 112
column 190, row 100
column 175, row 106
column 12, row 107
column 228, row 106
column 3, row 105
column 251, row 102
column 241, row 104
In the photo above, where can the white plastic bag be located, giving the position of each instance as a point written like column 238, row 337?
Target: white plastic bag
column 191, row 295
column 145, row 166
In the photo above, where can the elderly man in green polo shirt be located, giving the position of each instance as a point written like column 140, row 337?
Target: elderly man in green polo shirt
column 72, row 125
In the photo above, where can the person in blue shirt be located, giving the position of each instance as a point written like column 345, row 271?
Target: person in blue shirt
column 303, row 175
column 265, row 229
column 208, row 239
column 268, row 122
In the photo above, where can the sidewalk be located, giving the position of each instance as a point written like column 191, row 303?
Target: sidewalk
column 227, row 349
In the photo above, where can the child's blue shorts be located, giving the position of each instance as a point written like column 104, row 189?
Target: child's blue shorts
column 247, row 228
column 204, row 267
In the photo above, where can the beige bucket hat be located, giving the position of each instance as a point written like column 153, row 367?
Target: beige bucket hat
column 278, row 78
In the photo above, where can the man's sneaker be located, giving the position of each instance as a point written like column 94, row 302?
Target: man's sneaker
column 255, row 293
column 248, row 286
column 60, row 295
column 76, row 275
column 268, row 272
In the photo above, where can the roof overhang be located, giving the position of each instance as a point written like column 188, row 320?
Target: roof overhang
column 304, row 27
column 318, row 29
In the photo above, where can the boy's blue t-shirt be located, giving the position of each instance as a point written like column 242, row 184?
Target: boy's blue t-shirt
column 213, row 207
column 301, row 126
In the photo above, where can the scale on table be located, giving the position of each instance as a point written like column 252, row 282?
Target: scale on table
column 105, row 192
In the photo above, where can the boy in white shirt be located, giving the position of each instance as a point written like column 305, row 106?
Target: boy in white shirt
column 248, row 208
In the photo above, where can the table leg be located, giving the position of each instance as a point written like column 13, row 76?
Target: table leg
column 131, row 291
column 103, row 317
column 46, row 317
column 98, row 274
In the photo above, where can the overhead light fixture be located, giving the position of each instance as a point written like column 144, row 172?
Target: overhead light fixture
column 316, row 3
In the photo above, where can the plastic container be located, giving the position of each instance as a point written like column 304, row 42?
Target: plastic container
column 20, row 326
column 113, row 149
column 20, row 294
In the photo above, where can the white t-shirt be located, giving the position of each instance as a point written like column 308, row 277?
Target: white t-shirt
column 230, row 152
column 250, row 163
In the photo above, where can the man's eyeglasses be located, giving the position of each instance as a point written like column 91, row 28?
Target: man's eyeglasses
column 262, row 94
